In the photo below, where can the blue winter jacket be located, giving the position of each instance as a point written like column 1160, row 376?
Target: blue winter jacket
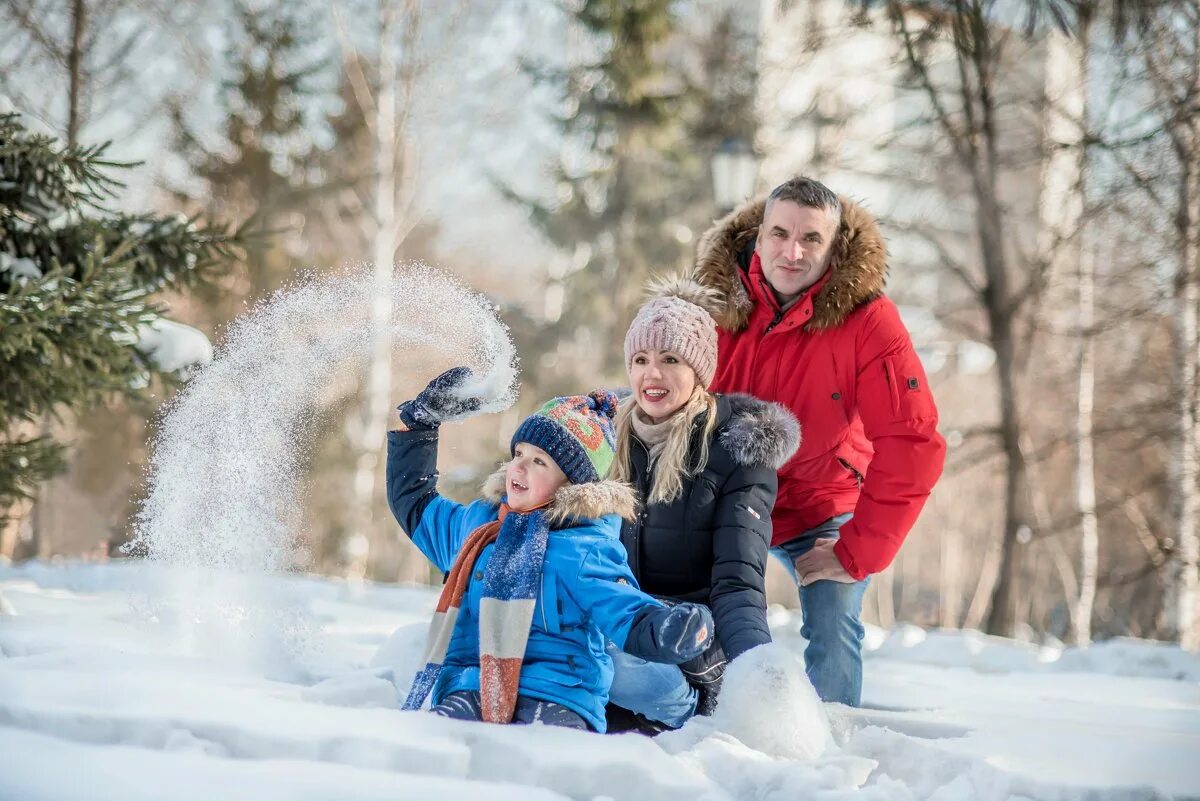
column 587, row 593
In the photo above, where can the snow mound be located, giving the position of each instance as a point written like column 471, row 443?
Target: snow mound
column 768, row 703
column 1127, row 656
column 98, row 703
column 972, row 649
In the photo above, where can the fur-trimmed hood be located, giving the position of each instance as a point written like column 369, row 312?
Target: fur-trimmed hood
column 858, row 269
column 758, row 433
column 575, row 501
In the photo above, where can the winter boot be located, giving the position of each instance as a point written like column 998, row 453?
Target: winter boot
column 622, row 720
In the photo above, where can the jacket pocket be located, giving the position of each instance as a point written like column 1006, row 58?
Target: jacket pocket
column 890, row 375
column 546, row 614
column 908, row 387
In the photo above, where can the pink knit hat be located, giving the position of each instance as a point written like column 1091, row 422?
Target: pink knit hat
column 676, row 319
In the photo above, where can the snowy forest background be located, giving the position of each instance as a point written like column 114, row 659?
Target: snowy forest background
column 1036, row 165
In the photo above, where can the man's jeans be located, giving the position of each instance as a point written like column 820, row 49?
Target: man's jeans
column 658, row 691
column 832, row 623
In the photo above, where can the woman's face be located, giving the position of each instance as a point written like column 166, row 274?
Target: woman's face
column 531, row 478
column 662, row 382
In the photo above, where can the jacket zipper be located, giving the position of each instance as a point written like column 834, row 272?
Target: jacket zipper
column 774, row 322
column 641, row 517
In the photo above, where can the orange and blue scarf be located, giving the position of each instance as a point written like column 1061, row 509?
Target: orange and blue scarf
column 510, row 586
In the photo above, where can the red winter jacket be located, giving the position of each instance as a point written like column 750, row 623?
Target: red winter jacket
column 842, row 361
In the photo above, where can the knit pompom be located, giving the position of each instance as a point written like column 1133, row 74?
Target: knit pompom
column 680, row 286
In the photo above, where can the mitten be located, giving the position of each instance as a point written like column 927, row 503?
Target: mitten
column 670, row 634
column 439, row 401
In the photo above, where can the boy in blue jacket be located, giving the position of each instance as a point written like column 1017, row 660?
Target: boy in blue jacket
column 537, row 577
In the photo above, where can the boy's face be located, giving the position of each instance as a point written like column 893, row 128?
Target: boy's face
column 531, row 478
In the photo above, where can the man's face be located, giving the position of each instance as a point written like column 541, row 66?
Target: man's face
column 794, row 245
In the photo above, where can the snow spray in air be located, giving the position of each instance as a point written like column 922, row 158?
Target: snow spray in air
column 226, row 465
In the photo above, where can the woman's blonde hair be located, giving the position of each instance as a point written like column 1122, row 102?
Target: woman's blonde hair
column 673, row 463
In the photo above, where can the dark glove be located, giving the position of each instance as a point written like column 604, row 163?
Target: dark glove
column 706, row 673
column 670, row 634
column 439, row 401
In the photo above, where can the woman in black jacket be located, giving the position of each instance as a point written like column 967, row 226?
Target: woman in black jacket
column 704, row 466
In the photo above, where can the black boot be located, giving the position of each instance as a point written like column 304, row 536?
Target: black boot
column 621, row 720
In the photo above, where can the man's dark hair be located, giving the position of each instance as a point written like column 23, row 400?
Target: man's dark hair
column 804, row 191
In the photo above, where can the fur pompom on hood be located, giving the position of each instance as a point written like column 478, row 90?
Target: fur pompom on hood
column 759, row 433
column 858, row 266
column 575, row 501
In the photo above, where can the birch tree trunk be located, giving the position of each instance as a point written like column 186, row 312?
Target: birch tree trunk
column 1085, row 470
column 1065, row 236
column 75, row 70
column 1179, row 608
column 950, row 580
column 374, row 407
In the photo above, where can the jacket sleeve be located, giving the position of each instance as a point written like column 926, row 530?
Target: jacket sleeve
column 741, row 540
column 436, row 525
column 607, row 592
column 900, row 419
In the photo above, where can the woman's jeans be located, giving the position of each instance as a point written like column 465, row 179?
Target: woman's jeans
column 832, row 621
column 659, row 692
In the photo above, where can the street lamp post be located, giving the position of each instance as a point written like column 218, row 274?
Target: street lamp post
column 734, row 174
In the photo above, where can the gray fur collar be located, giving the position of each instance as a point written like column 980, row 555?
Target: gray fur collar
column 758, row 433
column 575, row 501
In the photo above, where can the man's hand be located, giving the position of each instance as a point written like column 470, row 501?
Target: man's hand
column 821, row 564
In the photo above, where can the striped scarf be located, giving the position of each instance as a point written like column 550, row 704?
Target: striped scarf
column 510, row 586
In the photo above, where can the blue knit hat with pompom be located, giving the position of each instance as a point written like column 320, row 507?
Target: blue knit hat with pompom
column 578, row 433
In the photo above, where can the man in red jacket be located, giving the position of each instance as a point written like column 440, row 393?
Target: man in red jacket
column 804, row 322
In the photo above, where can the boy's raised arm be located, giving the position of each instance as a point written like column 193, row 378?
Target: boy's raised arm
column 435, row 524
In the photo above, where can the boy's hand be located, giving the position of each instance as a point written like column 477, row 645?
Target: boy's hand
column 670, row 634
column 439, row 401
column 686, row 631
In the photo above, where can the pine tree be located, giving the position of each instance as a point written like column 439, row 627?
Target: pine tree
column 619, row 116
column 640, row 118
column 261, row 170
column 77, row 281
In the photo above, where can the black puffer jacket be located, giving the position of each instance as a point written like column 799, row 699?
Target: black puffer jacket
column 710, row 544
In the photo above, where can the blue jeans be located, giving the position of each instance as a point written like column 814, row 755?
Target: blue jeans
column 832, row 621
column 658, row 691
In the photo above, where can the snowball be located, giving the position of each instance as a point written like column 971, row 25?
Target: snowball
column 769, row 704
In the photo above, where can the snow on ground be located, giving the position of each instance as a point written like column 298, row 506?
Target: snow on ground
column 106, row 695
